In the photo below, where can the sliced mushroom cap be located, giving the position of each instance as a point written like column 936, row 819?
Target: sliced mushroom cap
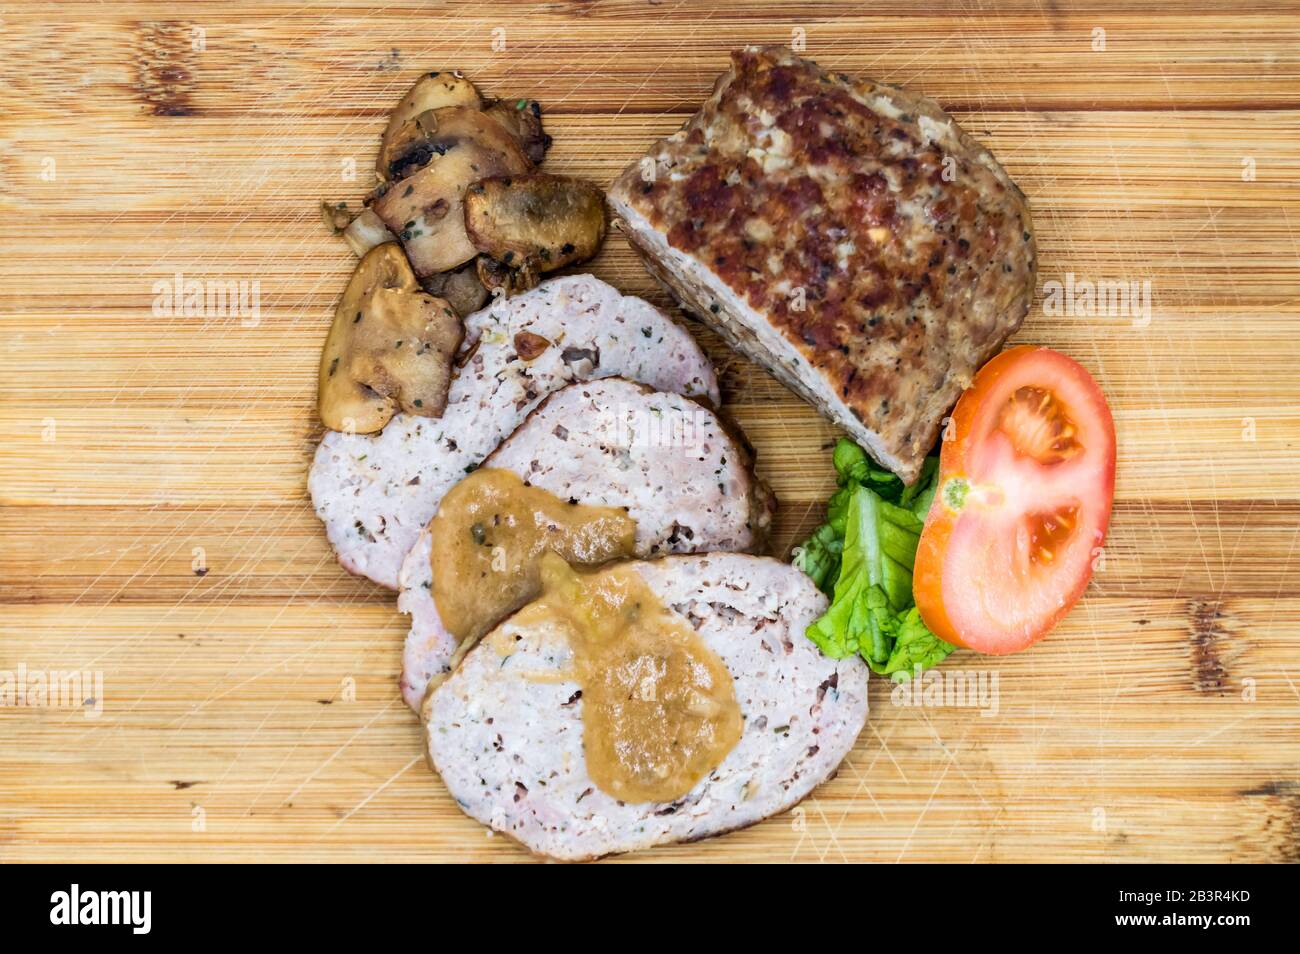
column 389, row 349
column 431, row 91
column 425, row 210
column 523, row 118
column 539, row 221
column 411, row 148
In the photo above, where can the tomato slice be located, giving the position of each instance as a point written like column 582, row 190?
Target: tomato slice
column 1026, row 480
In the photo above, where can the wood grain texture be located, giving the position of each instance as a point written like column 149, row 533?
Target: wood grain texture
column 250, row 712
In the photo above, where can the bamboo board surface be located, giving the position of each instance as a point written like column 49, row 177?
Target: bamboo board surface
column 251, row 712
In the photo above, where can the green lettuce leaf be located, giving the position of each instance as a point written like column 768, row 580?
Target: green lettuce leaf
column 854, row 467
column 819, row 557
column 858, row 596
column 863, row 557
column 915, row 648
column 919, row 495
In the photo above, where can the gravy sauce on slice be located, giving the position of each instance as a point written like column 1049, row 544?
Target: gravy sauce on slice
column 659, row 708
column 489, row 534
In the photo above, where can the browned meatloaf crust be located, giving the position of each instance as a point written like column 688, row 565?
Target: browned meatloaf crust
column 845, row 234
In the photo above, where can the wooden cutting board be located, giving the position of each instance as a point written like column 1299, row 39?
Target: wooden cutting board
column 156, row 528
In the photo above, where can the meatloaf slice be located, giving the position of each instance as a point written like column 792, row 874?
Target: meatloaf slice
column 506, row 733
column 687, row 482
column 375, row 493
column 844, row 234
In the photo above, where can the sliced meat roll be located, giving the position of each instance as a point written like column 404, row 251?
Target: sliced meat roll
column 686, row 481
column 375, row 493
column 506, row 732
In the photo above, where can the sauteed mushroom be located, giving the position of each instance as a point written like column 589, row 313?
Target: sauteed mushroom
column 462, row 288
column 336, row 215
column 389, row 348
column 523, row 118
column 362, row 231
column 425, row 210
column 365, row 232
column 534, row 223
column 431, row 91
column 504, row 281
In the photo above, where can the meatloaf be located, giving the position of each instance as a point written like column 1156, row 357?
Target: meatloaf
column 375, row 493
column 506, row 733
column 845, row 234
column 667, row 460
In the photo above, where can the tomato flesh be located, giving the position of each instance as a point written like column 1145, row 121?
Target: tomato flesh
column 1025, row 489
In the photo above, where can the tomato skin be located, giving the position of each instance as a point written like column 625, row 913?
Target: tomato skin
column 999, row 568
